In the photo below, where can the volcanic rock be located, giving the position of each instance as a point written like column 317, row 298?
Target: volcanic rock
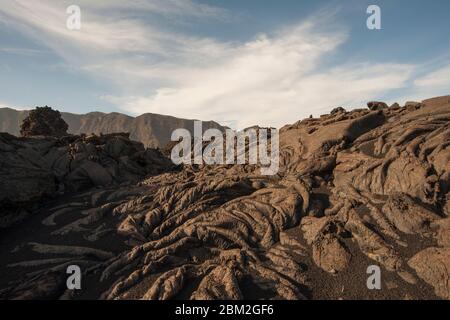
column 44, row 122
column 36, row 168
column 376, row 105
column 338, row 110
column 354, row 189
column 433, row 265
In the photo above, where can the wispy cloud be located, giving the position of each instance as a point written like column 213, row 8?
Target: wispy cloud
column 23, row 51
column 433, row 81
column 436, row 79
column 166, row 7
column 111, row 32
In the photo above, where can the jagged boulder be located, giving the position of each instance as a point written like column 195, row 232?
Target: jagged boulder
column 413, row 105
column 44, row 122
column 327, row 249
column 407, row 215
column 25, row 178
column 377, row 105
column 338, row 110
column 394, row 106
column 433, row 266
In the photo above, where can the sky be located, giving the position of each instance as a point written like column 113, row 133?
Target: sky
column 238, row 62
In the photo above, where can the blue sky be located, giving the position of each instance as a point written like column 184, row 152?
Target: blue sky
column 239, row 62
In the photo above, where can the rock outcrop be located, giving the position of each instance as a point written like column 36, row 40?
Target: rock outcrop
column 43, row 122
column 376, row 105
column 433, row 265
column 35, row 169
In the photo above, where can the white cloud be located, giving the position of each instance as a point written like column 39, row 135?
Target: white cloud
column 434, row 82
column 111, row 33
column 436, row 79
column 273, row 79
column 269, row 81
column 22, row 51
column 165, row 7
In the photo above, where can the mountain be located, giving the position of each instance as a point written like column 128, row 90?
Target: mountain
column 153, row 130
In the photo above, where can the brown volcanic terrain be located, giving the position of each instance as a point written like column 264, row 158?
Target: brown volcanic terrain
column 360, row 188
column 153, row 130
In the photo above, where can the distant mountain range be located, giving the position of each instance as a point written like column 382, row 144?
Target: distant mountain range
column 153, row 130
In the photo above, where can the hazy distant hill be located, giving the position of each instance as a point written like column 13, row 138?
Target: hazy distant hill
column 153, row 130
